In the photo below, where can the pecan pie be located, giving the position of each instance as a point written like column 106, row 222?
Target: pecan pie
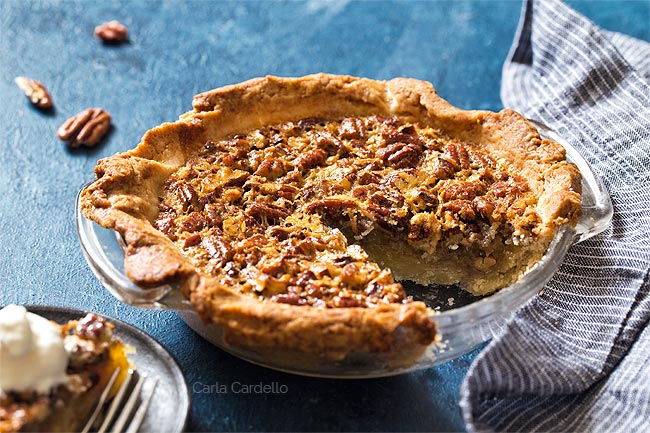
column 281, row 205
column 93, row 354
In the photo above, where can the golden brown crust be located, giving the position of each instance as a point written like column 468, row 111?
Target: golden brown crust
column 125, row 197
column 332, row 333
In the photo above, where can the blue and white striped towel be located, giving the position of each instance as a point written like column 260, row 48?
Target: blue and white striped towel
column 577, row 358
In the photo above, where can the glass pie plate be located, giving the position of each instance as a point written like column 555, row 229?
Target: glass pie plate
column 463, row 321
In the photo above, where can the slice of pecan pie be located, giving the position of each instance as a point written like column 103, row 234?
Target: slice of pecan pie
column 91, row 354
column 279, row 206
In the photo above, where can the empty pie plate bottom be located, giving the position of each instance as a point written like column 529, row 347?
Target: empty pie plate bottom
column 463, row 321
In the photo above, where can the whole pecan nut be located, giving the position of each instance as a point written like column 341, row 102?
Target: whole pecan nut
column 112, row 32
column 35, row 91
column 86, row 128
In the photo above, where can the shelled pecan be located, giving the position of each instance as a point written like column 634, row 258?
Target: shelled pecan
column 457, row 156
column 218, row 248
column 401, row 154
column 267, row 211
column 112, row 32
column 312, row 159
column 86, row 128
column 331, row 205
column 35, row 91
column 351, row 128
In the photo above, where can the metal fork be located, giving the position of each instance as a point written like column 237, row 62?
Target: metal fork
column 118, row 405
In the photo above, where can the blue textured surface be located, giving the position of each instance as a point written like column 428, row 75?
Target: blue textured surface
column 177, row 50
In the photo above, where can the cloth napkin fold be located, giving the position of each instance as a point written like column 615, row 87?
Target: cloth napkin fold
column 577, row 358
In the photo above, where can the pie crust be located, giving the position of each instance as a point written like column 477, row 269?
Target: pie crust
column 251, row 204
column 95, row 353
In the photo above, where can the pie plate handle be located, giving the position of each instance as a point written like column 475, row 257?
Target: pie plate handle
column 597, row 209
column 104, row 251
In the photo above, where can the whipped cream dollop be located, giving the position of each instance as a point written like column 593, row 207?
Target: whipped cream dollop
column 32, row 354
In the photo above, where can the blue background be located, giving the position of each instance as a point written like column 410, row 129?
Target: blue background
column 176, row 50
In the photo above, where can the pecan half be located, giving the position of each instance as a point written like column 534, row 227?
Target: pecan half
column 444, row 170
column 329, row 143
column 368, row 178
column 351, row 128
column 279, row 233
column 405, row 157
column 401, row 155
column 266, row 211
column 218, row 248
column 380, row 199
column 271, row 168
column 237, row 178
column 86, row 128
column 189, row 195
column 364, row 190
column 194, row 222
column 346, row 302
column 192, row 240
column 35, row 91
column 482, row 160
column 484, row 207
column 373, row 289
column 513, row 188
column 392, row 135
column 457, row 156
column 465, row 190
column 462, row 208
column 331, row 205
column 289, row 298
column 428, row 198
column 288, row 192
column 386, row 219
column 165, row 223
column 93, row 326
column 312, row 159
column 214, row 213
column 112, row 32
column 309, row 246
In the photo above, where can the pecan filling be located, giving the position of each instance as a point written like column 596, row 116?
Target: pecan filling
column 267, row 210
